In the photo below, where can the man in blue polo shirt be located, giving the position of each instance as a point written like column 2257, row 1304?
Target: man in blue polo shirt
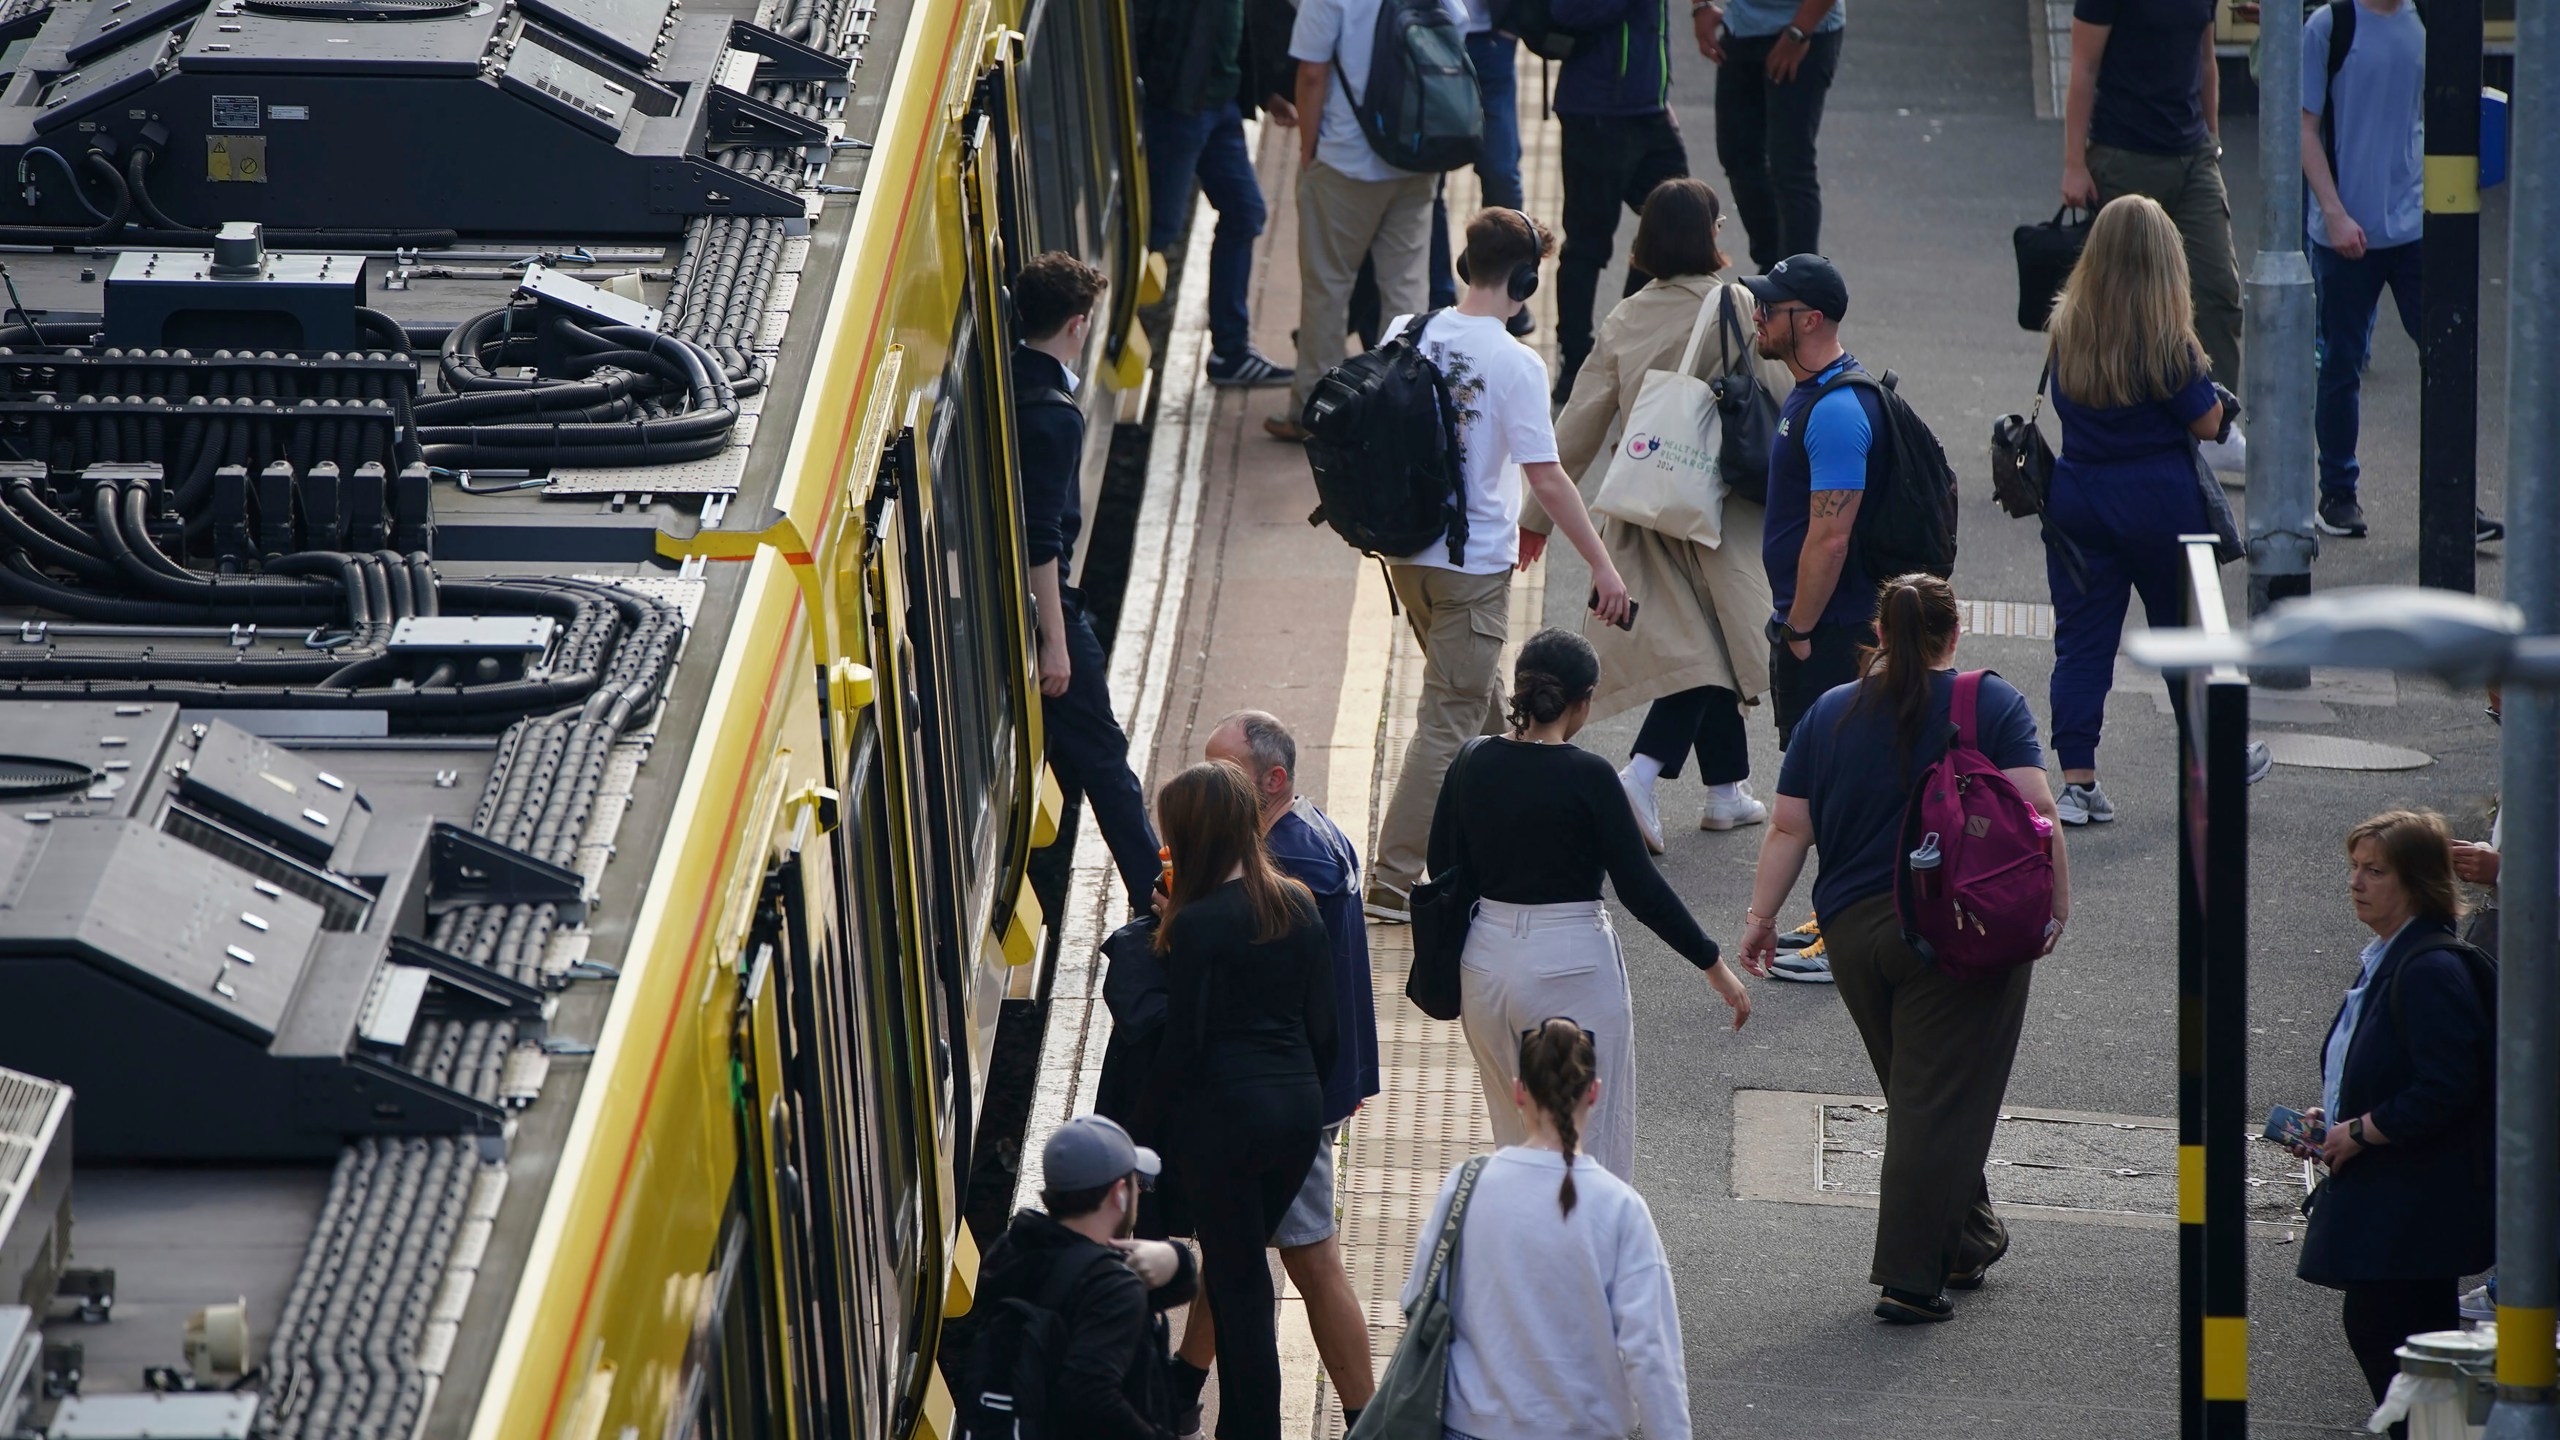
column 1823, row 601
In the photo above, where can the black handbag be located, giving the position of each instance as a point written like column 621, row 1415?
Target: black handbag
column 1748, row 416
column 2046, row 253
column 2021, row 461
column 1442, row 908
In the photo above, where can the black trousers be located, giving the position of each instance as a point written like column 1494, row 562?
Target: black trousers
column 1764, row 139
column 1708, row 719
column 1090, row 755
column 1608, row 161
column 1239, row 1181
column 1795, row 684
column 2380, row 1315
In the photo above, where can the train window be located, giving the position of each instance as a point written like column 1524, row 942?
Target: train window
column 1056, row 100
column 892, row 1158
column 985, row 668
column 729, row 1380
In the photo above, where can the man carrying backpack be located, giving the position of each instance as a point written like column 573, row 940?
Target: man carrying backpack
column 1352, row 204
column 1457, row 592
column 1068, row 1336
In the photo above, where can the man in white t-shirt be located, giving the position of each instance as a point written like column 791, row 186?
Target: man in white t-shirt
column 1461, row 612
column 1351, row 204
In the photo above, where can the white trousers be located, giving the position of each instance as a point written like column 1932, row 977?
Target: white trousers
column 1526, row 964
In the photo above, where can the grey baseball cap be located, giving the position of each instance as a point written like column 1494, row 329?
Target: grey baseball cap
column 1090, row 1152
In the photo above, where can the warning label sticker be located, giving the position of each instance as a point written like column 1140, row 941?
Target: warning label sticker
column 235, row 112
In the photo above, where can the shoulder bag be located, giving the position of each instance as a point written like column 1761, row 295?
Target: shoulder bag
column 2021, row 461
column 1663, row 475
column 1748, row 410
column 1413, row 1395
column 1442, row 909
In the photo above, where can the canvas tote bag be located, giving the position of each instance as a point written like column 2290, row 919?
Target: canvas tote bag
column 1663, row 475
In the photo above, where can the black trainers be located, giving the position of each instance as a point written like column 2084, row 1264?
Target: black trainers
column 2339, row 516
column 1252, row 368
column 2484, row 529
column 1903, row 1307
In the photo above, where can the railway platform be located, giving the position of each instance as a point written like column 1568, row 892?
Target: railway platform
column 1757, row 1151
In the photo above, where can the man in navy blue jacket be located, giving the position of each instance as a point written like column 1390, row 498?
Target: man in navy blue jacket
column 1613, row 100
column 1053, row 301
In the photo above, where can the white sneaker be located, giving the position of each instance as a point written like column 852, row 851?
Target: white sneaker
column 1723, row 814
column 2261, row 760
column 1648, row 816
column 2228, row 457
column 2084, row 805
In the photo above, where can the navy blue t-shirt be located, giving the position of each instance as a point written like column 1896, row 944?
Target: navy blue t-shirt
column 2150, row 80
column 2151, row 437
column 1838, row 435
column 1842, row 764
column 1310, row 848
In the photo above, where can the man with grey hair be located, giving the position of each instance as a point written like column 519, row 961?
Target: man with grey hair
column 1309, row 846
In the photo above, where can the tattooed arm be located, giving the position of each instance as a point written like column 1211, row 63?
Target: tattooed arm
column 1826, row 551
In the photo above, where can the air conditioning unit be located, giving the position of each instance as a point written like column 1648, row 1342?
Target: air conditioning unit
column 35, row 1188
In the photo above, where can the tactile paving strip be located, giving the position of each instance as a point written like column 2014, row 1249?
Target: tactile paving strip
column 2029, row 619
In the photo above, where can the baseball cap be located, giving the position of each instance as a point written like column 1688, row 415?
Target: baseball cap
column 1090, row 1152
column 1809, row 280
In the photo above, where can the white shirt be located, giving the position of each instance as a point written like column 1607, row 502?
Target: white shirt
column 1500, row 387
column 1341, row 30
column 1566, row 1326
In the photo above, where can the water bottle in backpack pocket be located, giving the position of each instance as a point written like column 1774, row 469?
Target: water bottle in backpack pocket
column 1974, row 883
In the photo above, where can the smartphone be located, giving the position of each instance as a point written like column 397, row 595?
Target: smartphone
column 2288, row 1126
column 1632, row 607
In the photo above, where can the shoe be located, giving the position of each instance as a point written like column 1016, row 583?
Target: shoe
column 1520, row 325
column 2230, row 457
column 1648, row 815
column 1723, row 814
column 1281, row 427
column 2341, row 516
column 2261, row 760
column 2478, row 1304
column 2484, row 529
column 2084, row 805
column 1387, row 905
column 1806, row 935
column 1971, row 1277
column 1902, row 1307
column 1808, row 966
column 1189, row 1425
column 1248, row 369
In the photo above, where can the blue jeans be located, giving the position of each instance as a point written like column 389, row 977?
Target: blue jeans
column 2350, row 296
column 1208, row 146
column 1496, row 58
column 2126, row 519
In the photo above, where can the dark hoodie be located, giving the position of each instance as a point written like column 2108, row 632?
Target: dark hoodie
column 1310, row 847
column 1621, row 61
column 1111, row 1381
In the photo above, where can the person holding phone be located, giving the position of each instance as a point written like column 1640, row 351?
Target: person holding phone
column 1537, row 823
column 2409, row 1099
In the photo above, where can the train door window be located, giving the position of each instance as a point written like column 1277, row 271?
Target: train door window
column 729, row 1381
column 1056, row 94
column 890, row 1190
column 985, row 668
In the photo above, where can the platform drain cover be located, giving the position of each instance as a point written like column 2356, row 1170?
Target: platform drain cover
column 33, row 777
column 2336, row 752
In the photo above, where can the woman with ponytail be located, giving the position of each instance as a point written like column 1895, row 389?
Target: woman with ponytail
column 1941, row 1046
column 1536, row 823
column 1564, row 1325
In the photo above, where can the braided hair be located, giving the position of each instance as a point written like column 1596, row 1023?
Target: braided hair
column 1557, row 1064
column 1557, row 670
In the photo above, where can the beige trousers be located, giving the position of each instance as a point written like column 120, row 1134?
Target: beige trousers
column 1461, row 622
column 1341, row 222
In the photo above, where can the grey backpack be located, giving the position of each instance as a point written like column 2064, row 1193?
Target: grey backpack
column 1415, row 1390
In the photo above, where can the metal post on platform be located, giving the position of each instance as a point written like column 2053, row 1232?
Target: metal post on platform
column 2281, row 478
column 2529, row 909
column 2449, row 335
column 2213, row 1026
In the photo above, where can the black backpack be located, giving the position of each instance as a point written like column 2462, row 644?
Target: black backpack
column 1382, row 437
column 1907, row 521
column 1014, row 1357
column 1419, row 108
column 1533, row 24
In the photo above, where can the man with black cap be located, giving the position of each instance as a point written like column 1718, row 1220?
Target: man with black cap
column 1823, row 600
column 1074, row 1257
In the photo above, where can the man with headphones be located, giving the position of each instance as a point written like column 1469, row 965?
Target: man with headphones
column 1461, row 611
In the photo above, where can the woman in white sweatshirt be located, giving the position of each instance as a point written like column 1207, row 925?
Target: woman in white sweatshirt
column 1565, row 1324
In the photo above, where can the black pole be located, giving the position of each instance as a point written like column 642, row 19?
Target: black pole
column 2226, row 1053
column 2449, row 333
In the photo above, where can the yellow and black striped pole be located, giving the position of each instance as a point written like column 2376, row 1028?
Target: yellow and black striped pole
column 2449, row 288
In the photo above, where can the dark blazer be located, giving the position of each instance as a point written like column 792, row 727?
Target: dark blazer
column 2421, row 1064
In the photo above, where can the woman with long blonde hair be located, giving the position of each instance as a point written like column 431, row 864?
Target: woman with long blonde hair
column 2133, row 393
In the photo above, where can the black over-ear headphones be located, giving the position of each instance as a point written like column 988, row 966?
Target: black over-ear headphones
column 1523, row 281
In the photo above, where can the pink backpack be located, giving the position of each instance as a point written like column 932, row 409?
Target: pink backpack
column 1974, row 882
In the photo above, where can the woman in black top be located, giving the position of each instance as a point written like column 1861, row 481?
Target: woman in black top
column 1535, row 823
column 1239, row 1077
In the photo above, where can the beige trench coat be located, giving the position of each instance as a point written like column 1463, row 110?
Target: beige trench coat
column 1703, row 610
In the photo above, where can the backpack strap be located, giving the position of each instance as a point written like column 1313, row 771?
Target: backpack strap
column 2342, row 38
column 1965, row 705
column 1064, row 1277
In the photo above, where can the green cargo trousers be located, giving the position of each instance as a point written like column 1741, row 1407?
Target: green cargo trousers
column 2189, row 187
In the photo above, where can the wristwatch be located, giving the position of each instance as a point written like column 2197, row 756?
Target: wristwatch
column 1780, row 633
column 1797, row 35
column 2355, row 1131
